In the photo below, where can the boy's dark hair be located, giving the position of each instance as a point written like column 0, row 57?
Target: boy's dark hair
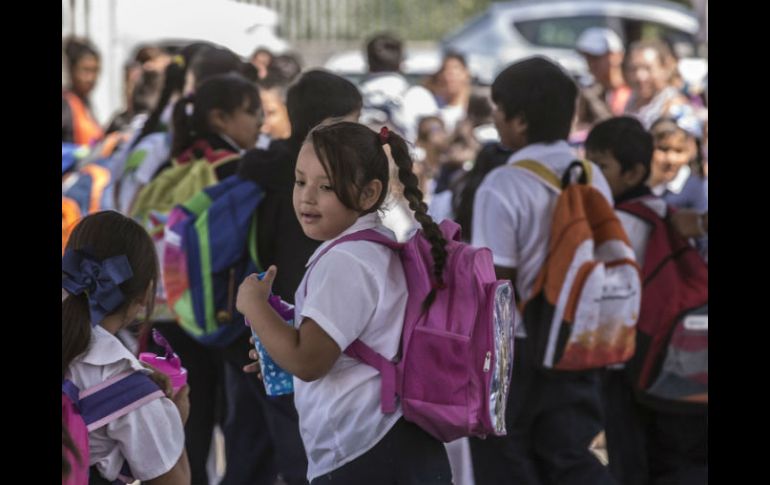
column 352, row 155
column 317, row 95
column 384, row 53
column 106, row 234
column 626, row 139
column 226, row 92
column 219, row 60
column 285, row 66
column 542, row 93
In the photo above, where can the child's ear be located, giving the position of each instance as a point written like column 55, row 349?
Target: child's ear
column 216, row 119
column 370, row 194
column 634, row 176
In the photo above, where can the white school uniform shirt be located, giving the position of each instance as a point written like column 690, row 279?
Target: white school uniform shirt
column 355, row 291
column 513, row 211
column 150, row 437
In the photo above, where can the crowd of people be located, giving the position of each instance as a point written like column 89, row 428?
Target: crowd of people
column 330, row 158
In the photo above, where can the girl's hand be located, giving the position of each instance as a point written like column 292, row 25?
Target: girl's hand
column 182, row 402
column 162, row 380
column 253, row 368
column 254, row 290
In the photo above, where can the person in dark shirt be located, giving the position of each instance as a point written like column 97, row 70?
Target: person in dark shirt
column 316, row 96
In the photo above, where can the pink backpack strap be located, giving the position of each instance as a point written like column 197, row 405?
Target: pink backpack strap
column 358, row 349
column 365, row 235
column 389, row 388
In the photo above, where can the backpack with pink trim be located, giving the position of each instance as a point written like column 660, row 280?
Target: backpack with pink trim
column 457, row 354
column 88, row 410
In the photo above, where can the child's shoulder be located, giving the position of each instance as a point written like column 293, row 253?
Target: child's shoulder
column 105, row 358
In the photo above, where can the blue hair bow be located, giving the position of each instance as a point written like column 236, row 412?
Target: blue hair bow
column 99, row 280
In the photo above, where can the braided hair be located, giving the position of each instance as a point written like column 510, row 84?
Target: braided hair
column 353, row 155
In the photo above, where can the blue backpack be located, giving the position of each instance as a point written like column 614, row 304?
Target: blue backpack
column 210, row 246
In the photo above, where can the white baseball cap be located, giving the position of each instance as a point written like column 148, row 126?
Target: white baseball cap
column 598, row 41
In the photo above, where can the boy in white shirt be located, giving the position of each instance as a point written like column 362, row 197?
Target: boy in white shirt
column 551, row 416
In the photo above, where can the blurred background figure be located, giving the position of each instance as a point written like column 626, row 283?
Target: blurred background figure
column 83, row 64
column 651, row 73
column 608, row 94
column 261, row 59
column 452, row 89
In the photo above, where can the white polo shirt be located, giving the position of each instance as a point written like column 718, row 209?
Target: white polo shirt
column 355, row 291
column 150, row 438
column 513, row 211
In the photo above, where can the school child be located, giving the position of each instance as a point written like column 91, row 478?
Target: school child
column 279, row 240
column 552, row 415
column 355, row 291
column 644, row 445
column 109, row 271
column 677, row 172
column 214, row 126
column 78, row 123
column 224, row 113
column 148, row 151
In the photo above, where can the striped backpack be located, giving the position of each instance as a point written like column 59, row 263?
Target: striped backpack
column 209, row 247
column 84, row 411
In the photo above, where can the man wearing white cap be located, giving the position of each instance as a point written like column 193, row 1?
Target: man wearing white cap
column 603, row 51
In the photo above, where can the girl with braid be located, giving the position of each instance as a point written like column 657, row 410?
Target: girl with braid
column 356, row 290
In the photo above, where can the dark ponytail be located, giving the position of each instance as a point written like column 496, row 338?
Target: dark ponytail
column 352, row 155
column 174, row 83
column 182, row 120
column 174, row 78
column 400, row 153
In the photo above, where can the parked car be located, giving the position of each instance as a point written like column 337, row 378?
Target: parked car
column 509, row 31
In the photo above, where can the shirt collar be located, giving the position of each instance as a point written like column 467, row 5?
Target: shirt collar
column 368, row 221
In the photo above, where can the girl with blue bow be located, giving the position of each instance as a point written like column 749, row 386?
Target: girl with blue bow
column 109, row 273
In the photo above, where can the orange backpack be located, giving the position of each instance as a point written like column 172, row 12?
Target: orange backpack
column 586, row 297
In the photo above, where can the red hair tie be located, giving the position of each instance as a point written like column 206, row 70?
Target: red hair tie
column 384, row 135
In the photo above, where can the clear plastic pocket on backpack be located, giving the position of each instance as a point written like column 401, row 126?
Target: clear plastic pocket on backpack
column 503, row 315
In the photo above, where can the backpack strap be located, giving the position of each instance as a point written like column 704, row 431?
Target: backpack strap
column 105, row 402
column 639, row 209
column 358, row 349
column 543, row 173
column 389, row 387
column 550, row 178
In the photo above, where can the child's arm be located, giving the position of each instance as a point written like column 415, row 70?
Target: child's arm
column 308, row 353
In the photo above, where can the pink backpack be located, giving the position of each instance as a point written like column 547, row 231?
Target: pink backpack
column 456, row 357
column 78, row 432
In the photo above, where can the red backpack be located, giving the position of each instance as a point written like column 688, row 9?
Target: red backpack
column 670, row 366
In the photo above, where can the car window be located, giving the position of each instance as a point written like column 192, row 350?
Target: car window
column 558, row 32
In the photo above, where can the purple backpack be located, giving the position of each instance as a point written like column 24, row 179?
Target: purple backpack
column 456, row 356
